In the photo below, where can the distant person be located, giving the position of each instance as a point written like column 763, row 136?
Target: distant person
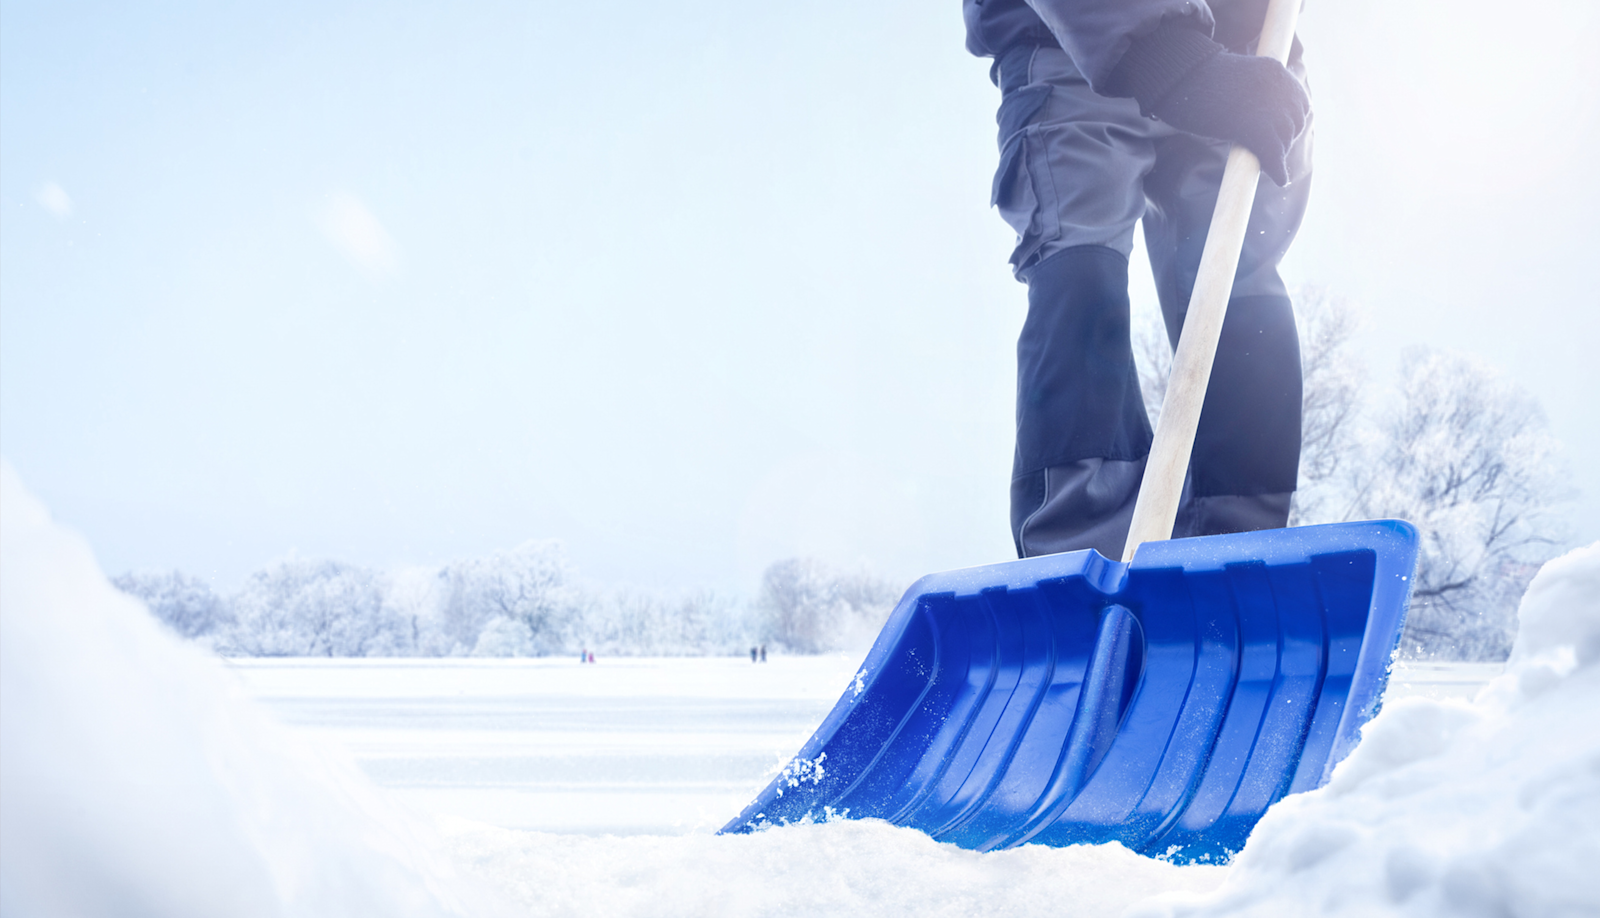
column 1114, row 112
column 583, row 655
column 591, row 656
column 763, row 653
column 752, row 655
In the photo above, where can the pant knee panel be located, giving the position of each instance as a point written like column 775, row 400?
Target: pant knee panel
column 1077, row 387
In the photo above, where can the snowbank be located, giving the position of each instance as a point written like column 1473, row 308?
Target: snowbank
column 136, row 780
column 1453, row 808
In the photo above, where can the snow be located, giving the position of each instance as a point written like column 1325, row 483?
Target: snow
column 137, row 779
column 838, row 868
column 139, row 775
column 663, row 746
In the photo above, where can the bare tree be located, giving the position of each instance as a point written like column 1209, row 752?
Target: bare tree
column 1466, row 456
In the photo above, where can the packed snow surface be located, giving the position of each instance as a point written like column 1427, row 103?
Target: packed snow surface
column 626, row 746
column 140, row 776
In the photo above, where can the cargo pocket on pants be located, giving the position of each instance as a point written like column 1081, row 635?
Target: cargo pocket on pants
column 1016, row 190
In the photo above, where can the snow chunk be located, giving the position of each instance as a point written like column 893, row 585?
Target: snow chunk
column 136, row 778
column 1452, row 808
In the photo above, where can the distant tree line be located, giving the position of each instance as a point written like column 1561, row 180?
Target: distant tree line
column 1452, row 446
column 524, row 602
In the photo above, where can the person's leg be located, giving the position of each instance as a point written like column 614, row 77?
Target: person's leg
column 1082, row 431
column 1069, row 183
column 1247, row 447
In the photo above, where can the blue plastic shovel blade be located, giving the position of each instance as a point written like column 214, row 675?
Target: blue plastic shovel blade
column 1064, row 699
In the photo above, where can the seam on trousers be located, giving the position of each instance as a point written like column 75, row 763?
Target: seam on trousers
column 1035, row 133
column 1022, row 531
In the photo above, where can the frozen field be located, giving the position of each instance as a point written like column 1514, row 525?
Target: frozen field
column 624, row 746
column 638, row 746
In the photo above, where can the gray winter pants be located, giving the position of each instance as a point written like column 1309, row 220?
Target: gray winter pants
column 1077, row 171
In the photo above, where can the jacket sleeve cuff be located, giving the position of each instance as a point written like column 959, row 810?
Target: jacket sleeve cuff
column 1156, row 63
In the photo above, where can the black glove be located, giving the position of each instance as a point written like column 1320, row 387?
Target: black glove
column 1181, row 76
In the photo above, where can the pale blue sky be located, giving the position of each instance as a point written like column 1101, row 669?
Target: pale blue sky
column 691, row 289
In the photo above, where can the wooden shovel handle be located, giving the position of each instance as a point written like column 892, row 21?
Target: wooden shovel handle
column 1156, row 510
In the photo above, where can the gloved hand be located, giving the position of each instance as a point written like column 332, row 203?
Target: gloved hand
column 1181, row 76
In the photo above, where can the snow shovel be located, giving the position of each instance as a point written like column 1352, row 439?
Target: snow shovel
column 1163, row 701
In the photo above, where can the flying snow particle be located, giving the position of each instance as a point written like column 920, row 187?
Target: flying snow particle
column 54, row 199
column 357, row 234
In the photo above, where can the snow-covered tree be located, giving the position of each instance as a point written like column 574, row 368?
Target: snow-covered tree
column 505, row 637
column 630, row 621
column 414, row 598
column 811, row 608
column 528, row 585
column 314, row 608
column 1466, row 455
column 185, row 604
column 653, row 624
